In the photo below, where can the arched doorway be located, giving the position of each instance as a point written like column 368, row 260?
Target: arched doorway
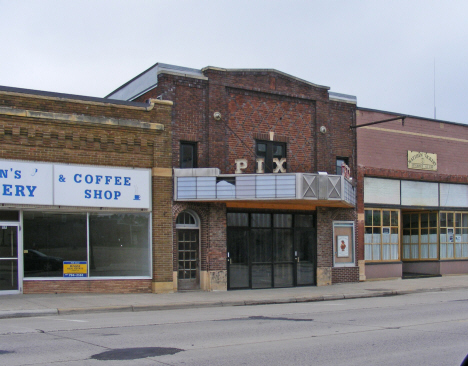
column 188, row 251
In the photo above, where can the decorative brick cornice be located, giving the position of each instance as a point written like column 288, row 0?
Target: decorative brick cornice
column 79, row 119
column 72, row 139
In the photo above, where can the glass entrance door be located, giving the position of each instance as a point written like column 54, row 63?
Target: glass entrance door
column 305, row 259
column 9, row 280
column 270, row 250
column 189, row 275
column 304, row 244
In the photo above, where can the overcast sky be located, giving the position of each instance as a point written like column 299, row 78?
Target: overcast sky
column 383, row 52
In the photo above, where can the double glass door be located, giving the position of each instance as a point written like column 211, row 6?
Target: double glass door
column 270, row 250
column 9, row 279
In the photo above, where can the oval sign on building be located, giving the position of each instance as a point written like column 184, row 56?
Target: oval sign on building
column 422, row 160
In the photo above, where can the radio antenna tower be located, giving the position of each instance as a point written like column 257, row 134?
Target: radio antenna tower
column 434, row 91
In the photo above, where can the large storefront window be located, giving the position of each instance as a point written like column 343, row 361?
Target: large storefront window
column 118, row 246
column 420, row 235
column 381, row 236
column 453, row 235
column 50, row 239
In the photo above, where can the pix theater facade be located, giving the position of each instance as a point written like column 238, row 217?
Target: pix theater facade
column 412, row 194
column 260, row 200
column 84, row 183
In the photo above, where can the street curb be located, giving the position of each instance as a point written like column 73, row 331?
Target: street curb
column 8, row 314
column 97, row 309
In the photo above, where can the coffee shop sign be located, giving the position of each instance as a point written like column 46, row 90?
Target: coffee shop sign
column 72, row 185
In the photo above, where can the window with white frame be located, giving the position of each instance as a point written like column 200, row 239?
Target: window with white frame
column 381, row 236
column 109, row 244
column 453, row 235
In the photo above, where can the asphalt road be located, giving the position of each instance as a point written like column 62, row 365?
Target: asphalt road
column 417, row 329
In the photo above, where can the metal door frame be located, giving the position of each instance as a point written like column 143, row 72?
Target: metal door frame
column 19, row 244
column 273, row 244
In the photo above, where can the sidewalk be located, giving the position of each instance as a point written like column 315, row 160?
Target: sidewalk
column 14, row 306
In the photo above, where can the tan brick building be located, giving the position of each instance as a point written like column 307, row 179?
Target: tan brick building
column 259, row 196
column 85, row 194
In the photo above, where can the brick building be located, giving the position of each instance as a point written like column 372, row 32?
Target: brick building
column 86, row 194
column 412, row 195
column 259, row 196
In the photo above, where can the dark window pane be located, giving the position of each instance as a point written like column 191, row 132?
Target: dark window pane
column 386, row 218
column 406, row 221
column 9, row 216
column 9, row 275
column 261, row 276
column 237, row 243
column 261, row 220
column 424, row 220
column 465, row 220
column 339, row 162
column 283, row 275
column 278, row 151
column 185, row 218
column 188, row 155
column 304, row 221
column 368, row 218
column 51, row 239
column 376, row 218
column 283, row 245
column 261, row 245
column 282, row 220
column 8, row 242
column 304, row 245
column 237, row 219
column 394, row 218
column 443, row 219
column 119, row 245
column 449, row 219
